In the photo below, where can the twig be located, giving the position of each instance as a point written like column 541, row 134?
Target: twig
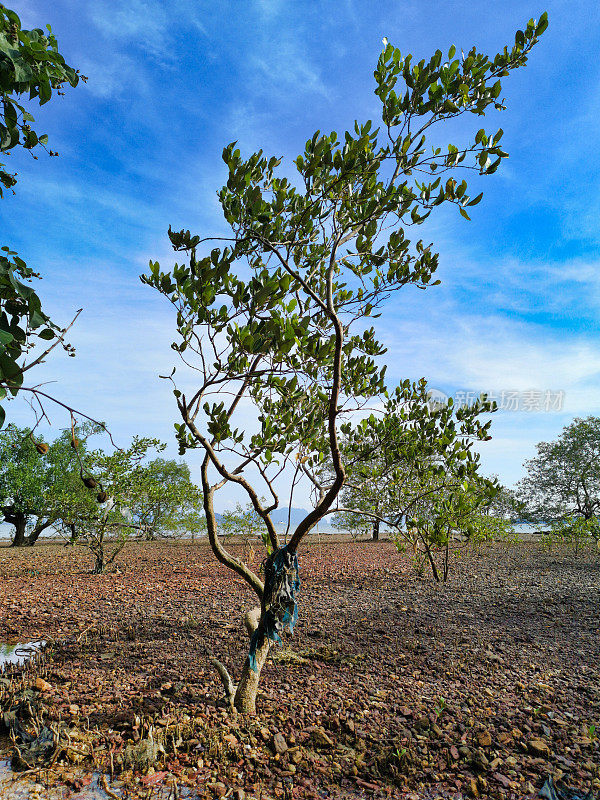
column 38, row 392
column 89, row 628
column 59, row 340
column 32, row 771
column 109, row 791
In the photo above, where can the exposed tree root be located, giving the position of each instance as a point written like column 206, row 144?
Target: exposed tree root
column 251, row 619
column 228, row 685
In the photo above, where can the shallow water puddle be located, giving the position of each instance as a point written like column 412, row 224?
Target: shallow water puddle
column 27, row 787
column 14, row 787
column 19, row 786
column 18, row 653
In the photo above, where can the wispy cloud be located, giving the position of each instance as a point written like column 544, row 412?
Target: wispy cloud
column 484, row 353
column 269, row 9
column 285, row 66
column 141, row 22
column 114, row 78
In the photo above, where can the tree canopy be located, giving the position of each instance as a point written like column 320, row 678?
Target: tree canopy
column 165, row 500
column 31, row 67
column 115, row 481
column 416, row 472
column 563, row 479
column 23, row 480
column 87, row 493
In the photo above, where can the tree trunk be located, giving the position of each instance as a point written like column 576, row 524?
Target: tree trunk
column 19, row 520
column 375, row 535
column 446, row 561
column 35, row 533
column 99, row 562
column 245, row 696
column 434, row 569
column 97, row 548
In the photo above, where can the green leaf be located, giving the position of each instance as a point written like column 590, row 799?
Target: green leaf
column 450, row 105
column 45, row 91
column 36, row 319
column 5, row 337
column 542, row 24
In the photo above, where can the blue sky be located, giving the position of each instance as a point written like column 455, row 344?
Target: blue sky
column 170, row 83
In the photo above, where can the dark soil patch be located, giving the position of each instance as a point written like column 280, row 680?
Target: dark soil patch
column 391, row 686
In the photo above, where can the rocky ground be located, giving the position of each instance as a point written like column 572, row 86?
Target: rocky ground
column 392, row 686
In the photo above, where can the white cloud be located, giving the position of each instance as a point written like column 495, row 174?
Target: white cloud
column 143, row 21
column 281, row 63
column 491, row 353
column 470, row 352
column 111, row 78
column 269, row 9
column 285, row 66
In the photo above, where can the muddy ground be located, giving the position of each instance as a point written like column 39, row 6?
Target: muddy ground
column 392, row 686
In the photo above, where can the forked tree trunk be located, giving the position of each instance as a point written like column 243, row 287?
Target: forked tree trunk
column 245, row 696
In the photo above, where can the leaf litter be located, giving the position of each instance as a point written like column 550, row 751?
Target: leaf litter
column 391, row 686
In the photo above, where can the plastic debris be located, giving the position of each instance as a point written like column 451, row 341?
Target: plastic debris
column 558, row 791
column 282, row 581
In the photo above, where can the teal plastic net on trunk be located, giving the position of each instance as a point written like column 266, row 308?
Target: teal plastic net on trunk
column 282, row 581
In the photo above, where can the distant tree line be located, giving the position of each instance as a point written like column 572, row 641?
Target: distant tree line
column 89, row 496
column 562, row 485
